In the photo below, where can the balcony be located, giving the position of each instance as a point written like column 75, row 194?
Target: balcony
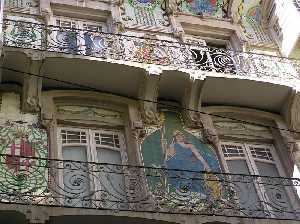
column 200, row 61
column 74, row 184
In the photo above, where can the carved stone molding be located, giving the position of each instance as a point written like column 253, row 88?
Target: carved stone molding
column 32, row 86
column 192, row 101
column 296, row 154
column 293, row 112
column 31, row 94
column 48, row 120
column 148, row 95
column 210, row 136
column 45, row 9
column 116, row 20
column 137, row 130
column 35, row 55
column 209, row 133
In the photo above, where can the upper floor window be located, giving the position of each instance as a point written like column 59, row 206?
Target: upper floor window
column 85, row 25
column 78, row 36
column 30, row 6
column 16, row 3
column 79, row 146
column 257, row 159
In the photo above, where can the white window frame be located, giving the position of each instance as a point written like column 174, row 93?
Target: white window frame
column 91, row 152
column 252, row 167
column 78, row 23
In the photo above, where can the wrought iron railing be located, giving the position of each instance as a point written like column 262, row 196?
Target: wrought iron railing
column 46, row 182
column 177, row 55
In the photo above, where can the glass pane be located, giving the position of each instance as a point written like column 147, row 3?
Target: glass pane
column 276, row 195
column 108, row 156
column 111, row 179
column 245, row 188
column 76, row 178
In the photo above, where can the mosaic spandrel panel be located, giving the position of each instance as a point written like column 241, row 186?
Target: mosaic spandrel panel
column 149, row 14
column 250, row 12
column 185, row 157
column 210, row 8
column 21, row 173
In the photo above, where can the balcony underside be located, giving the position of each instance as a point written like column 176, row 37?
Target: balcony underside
column 11, row 213
column 120, row 78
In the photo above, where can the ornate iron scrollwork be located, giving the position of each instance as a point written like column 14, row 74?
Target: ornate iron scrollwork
column 147, row 189
column 178, row 55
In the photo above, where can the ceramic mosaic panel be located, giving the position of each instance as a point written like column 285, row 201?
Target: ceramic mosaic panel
column 145, row 14
column 20, row 171
column 211, row 8
column 174, row 147
column 250, row 12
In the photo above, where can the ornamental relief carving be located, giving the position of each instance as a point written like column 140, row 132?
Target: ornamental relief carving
column 87, row 111
column 231, row 128
column 294, row 116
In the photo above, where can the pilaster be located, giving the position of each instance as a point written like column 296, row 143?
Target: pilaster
column 32, row 87
column 292, row 116
column 45, row 8
column 192, row 101
column 285, row 141
column 148, row 95
column 116, row 19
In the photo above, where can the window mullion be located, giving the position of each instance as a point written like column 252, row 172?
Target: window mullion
column 92, row 147
column 261, row 191
column 60, row 166
column 250, row 160
column 95, row 185
column 223, row 159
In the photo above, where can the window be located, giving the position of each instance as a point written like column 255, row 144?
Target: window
column 257, row 159
column 15, row 3
column 84, row 183
column 78, row 37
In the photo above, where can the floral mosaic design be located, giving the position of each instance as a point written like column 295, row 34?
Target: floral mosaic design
column 148, row 53
column 20, row 171
column 145, row 14
column 251, row 17
column 211, row 8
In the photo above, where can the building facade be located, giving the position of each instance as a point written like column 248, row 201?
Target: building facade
column 155, row 111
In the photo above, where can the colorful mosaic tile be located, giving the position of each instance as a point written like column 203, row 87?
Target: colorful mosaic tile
column 211, row 8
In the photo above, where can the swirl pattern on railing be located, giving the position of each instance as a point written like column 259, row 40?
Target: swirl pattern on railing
column 177, row 55
column 137, row 188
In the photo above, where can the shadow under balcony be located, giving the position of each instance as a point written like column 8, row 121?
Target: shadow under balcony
column 102, row 186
